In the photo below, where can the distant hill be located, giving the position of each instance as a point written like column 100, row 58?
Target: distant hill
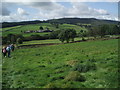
column 91, row 21
column 11, row 24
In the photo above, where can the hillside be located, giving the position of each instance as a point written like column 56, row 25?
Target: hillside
column 91, row 21
column 20, row 29
column 90, row 64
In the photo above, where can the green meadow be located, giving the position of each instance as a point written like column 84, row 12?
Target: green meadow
column 18, row 29
column 48, row 41
column 90, row 64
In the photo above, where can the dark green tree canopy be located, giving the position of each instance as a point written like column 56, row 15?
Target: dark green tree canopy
column 41, row 28
column 67, row 35
column 19, row 41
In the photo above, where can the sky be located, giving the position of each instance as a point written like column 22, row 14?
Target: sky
column 27, row 10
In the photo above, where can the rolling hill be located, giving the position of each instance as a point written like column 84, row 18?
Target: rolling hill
column 91, row 21
column 18, row 29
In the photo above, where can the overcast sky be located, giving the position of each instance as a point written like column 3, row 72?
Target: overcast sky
column 25, row 10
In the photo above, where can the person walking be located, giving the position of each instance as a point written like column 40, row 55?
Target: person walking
column 8, row 50
column 12, row 47
column 4, row 51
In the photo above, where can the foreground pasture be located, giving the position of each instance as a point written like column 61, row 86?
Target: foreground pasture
column 91, row 64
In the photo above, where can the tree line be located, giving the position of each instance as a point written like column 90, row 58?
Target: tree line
column 105, row 29
column 102, row 30
column 19, row 38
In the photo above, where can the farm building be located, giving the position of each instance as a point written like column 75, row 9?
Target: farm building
column 38, row 31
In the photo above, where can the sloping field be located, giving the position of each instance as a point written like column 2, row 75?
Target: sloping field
column 91, row 64
column 18, row 29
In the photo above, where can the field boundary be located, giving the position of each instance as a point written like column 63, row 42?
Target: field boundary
column 37, row 45
column 11, row 29
column 49, row 44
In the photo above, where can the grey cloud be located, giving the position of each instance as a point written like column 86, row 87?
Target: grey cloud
column 47, row 6
column 83, row 9
column 50, row 10
column 4, row 11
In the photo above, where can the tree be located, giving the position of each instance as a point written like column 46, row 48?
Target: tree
column 110, row 30
column 54, row 34
column 103, row 29
column 41, row 28
column 19, row 41
column 19, row 36
column 4, row 40
column 72, row 34
column 83, row 34
column 116, row 29
column 62, row 36
column 67, row 35
column 94, row 32
column 11, row 38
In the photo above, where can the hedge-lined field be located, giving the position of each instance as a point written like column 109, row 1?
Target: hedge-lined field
column 18, row 29
column 48, row 41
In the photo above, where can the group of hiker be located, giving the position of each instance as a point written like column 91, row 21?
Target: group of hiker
column 6, row 50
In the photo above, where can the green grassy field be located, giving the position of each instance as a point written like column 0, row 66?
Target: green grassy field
column 91, row 64
column 18, row 29
column 47, row 41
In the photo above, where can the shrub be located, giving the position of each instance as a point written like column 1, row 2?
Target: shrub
column 68, row 85
column 11, row 38
column 72, row 62
column 57, row 78
column 51, row 85
column 82, row 34
column 58, row 71
column 19, row 41
column 35, row 37
column 41, row 28
column 54, row 34
column 75, row 76
column 84, row 67
column 71, row 84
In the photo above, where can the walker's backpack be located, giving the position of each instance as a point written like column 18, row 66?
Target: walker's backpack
column 4, row 50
